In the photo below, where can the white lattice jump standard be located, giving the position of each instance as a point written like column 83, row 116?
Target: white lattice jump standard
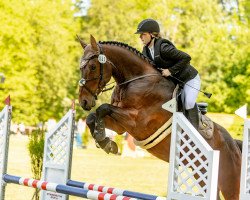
column 5, row 120
column 193, row 173
column 245, row 166
column 57, row 157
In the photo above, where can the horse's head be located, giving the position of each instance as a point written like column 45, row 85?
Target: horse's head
column 95, row 73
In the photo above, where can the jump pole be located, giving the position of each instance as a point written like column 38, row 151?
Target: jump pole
column 111, row 190
column 63, row 189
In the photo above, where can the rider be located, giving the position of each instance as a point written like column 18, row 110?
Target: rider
column 174, row 63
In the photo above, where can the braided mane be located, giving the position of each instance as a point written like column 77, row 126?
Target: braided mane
column 126, row 46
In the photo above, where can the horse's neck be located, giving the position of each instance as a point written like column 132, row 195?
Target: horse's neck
column 127, row 65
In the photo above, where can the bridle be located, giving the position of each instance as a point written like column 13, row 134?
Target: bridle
column 102, row 60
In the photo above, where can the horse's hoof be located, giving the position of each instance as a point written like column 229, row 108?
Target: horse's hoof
column 111, row 147
column 108, row 146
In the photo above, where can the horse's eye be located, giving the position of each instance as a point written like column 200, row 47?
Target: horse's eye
column 93, row 67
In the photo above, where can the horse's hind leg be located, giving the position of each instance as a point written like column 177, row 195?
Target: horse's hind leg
column 230, row 167
column 229, row 174
column 218, row 194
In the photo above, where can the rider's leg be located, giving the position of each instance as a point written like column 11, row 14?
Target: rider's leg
column 193, row 116
column 190, row 95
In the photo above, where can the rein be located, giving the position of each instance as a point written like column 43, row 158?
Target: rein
column 136, row 78
column 128, row 81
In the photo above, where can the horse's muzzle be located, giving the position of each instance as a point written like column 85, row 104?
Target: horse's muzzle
column 84, row 104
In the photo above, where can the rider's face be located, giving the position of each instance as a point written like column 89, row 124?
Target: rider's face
column 145, row 38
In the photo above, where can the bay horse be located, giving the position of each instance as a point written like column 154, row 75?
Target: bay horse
column 136, row 106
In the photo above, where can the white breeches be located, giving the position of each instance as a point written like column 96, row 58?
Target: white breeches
column 189, row 94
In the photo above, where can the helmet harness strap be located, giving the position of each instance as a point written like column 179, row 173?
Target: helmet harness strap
column 151, row 38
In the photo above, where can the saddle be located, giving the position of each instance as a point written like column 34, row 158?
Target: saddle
column 206, row 125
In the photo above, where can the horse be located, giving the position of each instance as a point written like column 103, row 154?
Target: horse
column 136, row 106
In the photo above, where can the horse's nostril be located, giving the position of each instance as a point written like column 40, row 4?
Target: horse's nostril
column 83, row 103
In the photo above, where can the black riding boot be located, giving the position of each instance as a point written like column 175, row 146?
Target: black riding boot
column 193, row 116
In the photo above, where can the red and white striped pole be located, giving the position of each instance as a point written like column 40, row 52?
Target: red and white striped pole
column 64, row 189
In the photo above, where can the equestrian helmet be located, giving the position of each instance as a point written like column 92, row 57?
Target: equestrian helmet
column 148, row 25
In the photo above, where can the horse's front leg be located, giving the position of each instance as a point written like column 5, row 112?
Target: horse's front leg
column 116, row 118
column 106, row 144
column 99, row 131
column 123, row 116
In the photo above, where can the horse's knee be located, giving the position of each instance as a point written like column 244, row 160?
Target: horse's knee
column 90, row 118
column 103, row 110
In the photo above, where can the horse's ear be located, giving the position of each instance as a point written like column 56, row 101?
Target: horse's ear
column 93, row 43
column 83, row 44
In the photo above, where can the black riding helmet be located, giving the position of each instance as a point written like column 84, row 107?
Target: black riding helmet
column 148, row 25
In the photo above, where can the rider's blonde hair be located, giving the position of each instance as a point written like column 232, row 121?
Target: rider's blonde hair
column 157, row 35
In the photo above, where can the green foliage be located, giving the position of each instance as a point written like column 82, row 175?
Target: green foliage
column 36, row 149
column 38, row 55
column 236, row 129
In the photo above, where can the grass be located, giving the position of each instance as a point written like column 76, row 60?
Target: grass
column 148, row 175
column 92, row 165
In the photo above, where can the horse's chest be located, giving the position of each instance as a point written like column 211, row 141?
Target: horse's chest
column 124, row 97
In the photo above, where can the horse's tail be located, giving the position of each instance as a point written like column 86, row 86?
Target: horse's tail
column 239, row 143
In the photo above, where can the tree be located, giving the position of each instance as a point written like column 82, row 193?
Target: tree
column 39, row 58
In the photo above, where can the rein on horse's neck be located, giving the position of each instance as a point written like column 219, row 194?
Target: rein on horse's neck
column 126, row 65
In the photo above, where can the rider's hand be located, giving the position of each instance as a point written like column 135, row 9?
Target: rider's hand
column 166, row 72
